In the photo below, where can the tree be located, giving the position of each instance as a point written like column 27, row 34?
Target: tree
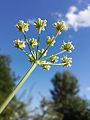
column 65, row 86
column 16, row 110
column 65, row 99
column 65, row 103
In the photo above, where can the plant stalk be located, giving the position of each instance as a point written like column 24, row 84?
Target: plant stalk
column 54, row 55
column 38, row 41
column 28, row 45
column 10, row 97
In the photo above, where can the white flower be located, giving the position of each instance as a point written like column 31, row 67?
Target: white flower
column 54, row 58
column 50, row 41
column 60, row 26
column 22, row 27
column 45, row 65
column 41, row 52
column 19, row 44
column 66, row 62
column 67, row 47
column 40, row 25
column 33, row 42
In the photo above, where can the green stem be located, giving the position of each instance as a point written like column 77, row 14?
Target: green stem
column 54, row 55
column 9, row 98
column 48, row 47
column 24, row 52
column 28, row 45
column 44, row 51
column 38, row 46
column 52, row 64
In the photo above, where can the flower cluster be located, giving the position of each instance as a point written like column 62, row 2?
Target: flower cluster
column 22, row 26
column 40, row 25
column 67, row 47
column 60, row 26
column 39, row 56
column 45, row 65
column 54, row 58
column 33, row 43
column 50, row 41
column 66, row 62
column 19, row 44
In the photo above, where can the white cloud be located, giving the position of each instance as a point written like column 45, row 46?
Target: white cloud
column 77, row 19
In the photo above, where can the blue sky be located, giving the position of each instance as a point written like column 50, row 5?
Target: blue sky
column 76, row 14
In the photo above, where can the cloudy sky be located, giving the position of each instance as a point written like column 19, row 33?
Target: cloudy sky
column 76, row 14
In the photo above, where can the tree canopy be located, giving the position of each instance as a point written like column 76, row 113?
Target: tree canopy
column 65, row 102
column 16, row 110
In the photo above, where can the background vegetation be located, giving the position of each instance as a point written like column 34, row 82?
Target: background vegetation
column 65, row 103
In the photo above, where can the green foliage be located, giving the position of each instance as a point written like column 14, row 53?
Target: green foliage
column 66, row 100
column 65, row 86
column 15, row 110
column 65, row 104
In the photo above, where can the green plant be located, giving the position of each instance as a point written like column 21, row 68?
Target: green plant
column 37, row 57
